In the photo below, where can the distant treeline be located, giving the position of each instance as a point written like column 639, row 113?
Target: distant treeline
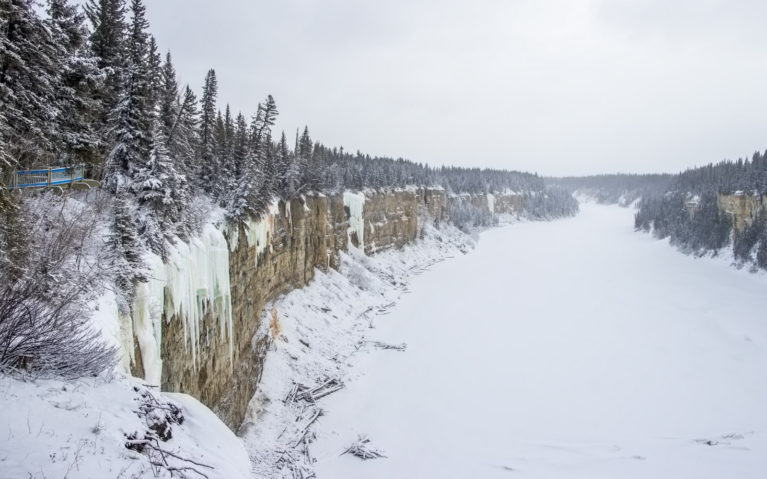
column 684, row 207
column 614, row 188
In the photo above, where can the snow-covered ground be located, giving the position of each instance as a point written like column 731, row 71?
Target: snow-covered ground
column 318, row 332
column 573, row 348
column 79, row 429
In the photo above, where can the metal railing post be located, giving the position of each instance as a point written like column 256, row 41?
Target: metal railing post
column 50, row 176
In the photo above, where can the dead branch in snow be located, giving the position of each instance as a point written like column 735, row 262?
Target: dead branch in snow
column 382, row 345
column 158, row 457
column 301, row 392
column 302, row 433
column 362, row 449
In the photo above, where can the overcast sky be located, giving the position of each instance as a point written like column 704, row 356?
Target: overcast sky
column 557, row 87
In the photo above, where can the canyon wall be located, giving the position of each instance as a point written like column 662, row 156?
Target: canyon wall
column 742, row 207
column 207, row 338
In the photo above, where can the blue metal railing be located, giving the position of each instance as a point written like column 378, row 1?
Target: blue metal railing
column 47, row 177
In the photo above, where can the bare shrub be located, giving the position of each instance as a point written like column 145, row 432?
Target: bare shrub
column 53, row 264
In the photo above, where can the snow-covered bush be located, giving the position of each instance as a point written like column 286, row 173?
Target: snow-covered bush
column 52, row 264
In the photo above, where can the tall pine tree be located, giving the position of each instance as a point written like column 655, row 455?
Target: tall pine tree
column 208, row 167
column 28, row 80
column 134, row 113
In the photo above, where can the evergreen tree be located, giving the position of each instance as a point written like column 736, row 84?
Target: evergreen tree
column 108, row 43
column 288, row 172
column 184, row 139
column 223, row 159
column 124, row 241
column 160, row 187
column 154, row 67
column 78, row 79
column 310, row 172
column 134, row 114
column 208, row 167
column 240, row 147
column 168, row 107
column 28, row 61
column 225, row 148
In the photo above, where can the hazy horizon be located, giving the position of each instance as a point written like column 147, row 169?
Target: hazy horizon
column 555, row 87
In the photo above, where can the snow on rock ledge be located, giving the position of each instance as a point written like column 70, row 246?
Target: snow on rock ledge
column 196, row 277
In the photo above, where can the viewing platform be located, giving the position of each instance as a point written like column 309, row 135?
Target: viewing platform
column 66, row 177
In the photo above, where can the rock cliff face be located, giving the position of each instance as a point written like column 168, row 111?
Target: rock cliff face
column 742, row 207
column 497, row 203
column 267, row 258
column 391, row 220
column 509, row 203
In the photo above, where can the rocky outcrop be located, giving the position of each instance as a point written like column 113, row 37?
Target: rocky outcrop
column 391, row 220
column 742, row 207
column 495, row 203
column 433, row 203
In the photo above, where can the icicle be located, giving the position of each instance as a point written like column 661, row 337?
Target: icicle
column 196, row 274
column 491, row 203
column 233, row 236
column 260, row 232
column 355, row 202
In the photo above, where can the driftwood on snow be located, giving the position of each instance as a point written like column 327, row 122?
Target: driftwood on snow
column 300, row 392
column 361, row 448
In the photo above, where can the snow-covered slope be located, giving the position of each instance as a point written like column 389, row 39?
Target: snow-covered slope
column 574, row 348
column 79, row 429
column 317, row 332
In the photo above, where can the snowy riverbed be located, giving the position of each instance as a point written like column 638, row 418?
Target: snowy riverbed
column 573, row 348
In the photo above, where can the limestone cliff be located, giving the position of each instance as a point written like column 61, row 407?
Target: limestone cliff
column 742, row 207
column 268, row 257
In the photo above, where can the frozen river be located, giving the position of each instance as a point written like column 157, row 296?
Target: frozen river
column 572, row 348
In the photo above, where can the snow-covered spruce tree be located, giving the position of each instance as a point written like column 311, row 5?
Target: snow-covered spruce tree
column 134, row 114
column 14, row 237
column 78, row 80
column 209, row 169
column 108, row 44
column 310, row 172
column 126, row 246
column 168, row 107
column 245, row 199
column 226, row 156
column 288, row 171
column 176, row 124
column 761, row 251
column 154, row 72
column 28, row 109
column 56, row 274
column 239, row 147
column 162, row 190
column 223, row 134
column 255, row 188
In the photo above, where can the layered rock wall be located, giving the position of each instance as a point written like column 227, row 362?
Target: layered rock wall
column 267, row 258
column 742, row 207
